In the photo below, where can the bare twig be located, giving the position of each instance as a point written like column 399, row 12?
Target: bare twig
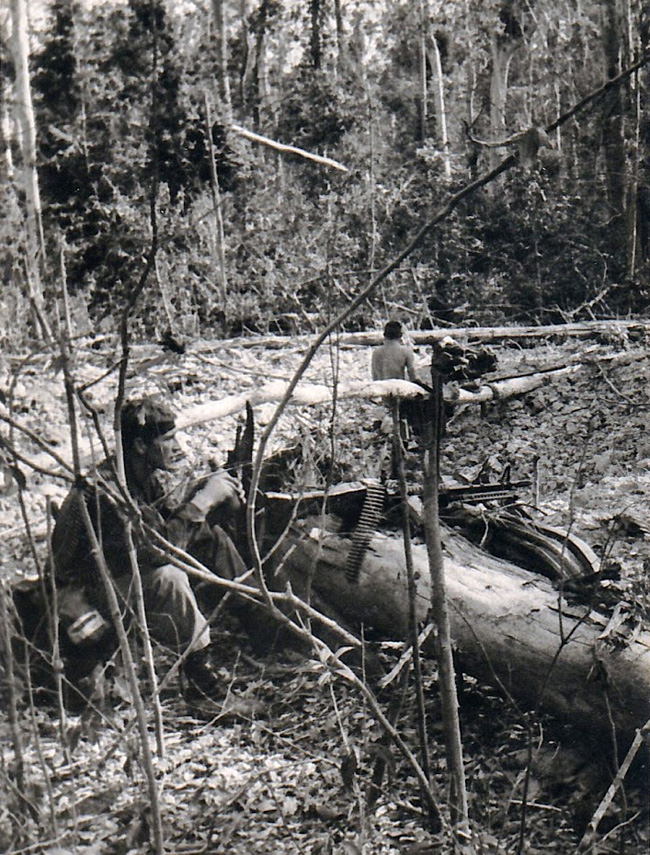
column 146, row 638
column 131, row 675
column 439, row 610
column 53, row 615
column 10, row 684
column 398, row 456
column 588, row 838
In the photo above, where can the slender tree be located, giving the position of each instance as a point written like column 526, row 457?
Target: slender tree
column 423, row 83
column 506, row 39
column 260, row 82
column 613, row 131
column 6, row 156
column 316, row 12
column 26, row 123
column 433, row 52
column 219, row 15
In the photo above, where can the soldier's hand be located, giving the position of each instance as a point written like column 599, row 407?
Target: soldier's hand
column 220, row 489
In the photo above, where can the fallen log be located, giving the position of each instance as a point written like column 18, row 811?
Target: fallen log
column 310, row 394
column 511, row 628
column 304, row 394
column 584, row 329
column 370, row 338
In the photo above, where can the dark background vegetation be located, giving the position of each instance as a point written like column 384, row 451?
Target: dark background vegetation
column 121, row 95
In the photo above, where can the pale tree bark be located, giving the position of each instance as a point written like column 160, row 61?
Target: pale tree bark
column 220, row 234
column 472, row 111
column 433, row 52
column 506, row 39
column 634, row 250
column 501, row 58
column 6, row 159
column 458, row 809
column 632, row 204
column 26, row 124
column 219, row 15
column 511, row 627
column 423, row 88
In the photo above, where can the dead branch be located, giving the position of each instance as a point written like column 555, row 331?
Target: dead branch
column 288, row 149
column 371, row 338
column 588, row 838
column 583, row 329
column 310, row 394
column 305, row 394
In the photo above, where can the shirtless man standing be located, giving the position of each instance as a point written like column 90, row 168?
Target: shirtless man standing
column 393, row 357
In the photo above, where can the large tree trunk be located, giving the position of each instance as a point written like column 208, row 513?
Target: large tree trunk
column 510, row 627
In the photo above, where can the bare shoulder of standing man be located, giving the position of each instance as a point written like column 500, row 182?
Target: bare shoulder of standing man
column 393, row 358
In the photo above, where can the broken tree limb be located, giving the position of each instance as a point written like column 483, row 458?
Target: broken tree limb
column 510, row 627
column 508, row 388
column 311, row 393
column 304, row 393
column 48, row 461
column 288, row 149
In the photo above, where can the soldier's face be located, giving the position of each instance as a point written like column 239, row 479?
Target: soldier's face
column 164, row 452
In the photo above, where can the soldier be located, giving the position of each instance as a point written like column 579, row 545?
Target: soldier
column 173, row 614
column 392, row 358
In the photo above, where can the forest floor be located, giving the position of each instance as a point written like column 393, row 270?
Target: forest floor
column 267, row 769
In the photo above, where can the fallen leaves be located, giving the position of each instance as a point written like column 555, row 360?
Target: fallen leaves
column 282, row 779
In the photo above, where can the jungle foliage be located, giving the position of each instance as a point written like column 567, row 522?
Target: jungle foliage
column 132, row 101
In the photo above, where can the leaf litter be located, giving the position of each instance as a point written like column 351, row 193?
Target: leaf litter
column 271, row 780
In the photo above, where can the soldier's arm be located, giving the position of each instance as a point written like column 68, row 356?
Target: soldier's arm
column 410, row 365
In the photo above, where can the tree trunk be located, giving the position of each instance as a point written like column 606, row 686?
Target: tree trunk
column 247, row 53
column 219, row 14
column 501, row 56
column 613, row 131
column 6, row 159
column 439, row 95
column 219, row 232
column 440, row 609
column 510, row 627
column 423, row 88
column 506, row 38
column 259, row 65
column 26, row 124
column 583, row 329
column 315, row 41
column 340, row 36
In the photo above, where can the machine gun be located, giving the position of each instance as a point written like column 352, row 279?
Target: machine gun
column 502, row 526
